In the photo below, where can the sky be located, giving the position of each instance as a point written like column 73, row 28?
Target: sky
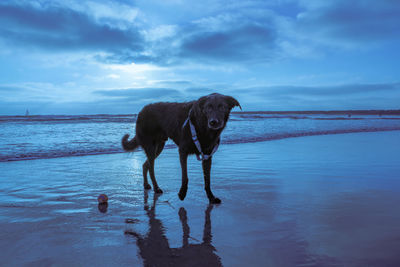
column 115, row 56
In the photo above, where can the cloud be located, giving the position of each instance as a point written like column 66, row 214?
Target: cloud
column 177, row 83
column 234, row 36
column 213, row 33
column 60, row 28
column 349, row 96
column 10, row 88
column 117, row 101
column 14, row 92
column 142, row 94
column 338, row 90
column 244, row 43
column 127, row 101
column 356, row 21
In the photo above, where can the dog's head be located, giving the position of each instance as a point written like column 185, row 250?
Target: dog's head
column 216, row 108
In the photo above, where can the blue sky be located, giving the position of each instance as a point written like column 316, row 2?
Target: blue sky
column 88, row 57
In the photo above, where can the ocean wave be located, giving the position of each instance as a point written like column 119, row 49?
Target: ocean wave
column 226, row 140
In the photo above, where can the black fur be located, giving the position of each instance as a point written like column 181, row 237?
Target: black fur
column 159, row 121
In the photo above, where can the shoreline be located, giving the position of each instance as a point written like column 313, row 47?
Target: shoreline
column 230, row 142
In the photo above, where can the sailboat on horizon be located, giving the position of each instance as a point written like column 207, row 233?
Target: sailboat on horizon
column 26, row 113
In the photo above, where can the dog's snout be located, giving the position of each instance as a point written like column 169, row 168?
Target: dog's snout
column 213, row 122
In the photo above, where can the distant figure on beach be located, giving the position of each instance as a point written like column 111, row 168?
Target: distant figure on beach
column 195, row 127
column 155, row 250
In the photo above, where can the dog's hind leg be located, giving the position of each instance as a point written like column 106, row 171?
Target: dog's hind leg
column 152, row 176
column 206, row 170
column 152, row 153
column 146, row 166
column 146, row 184
column 185, row 180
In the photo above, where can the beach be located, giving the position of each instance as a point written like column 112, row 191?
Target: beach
column 326, row 200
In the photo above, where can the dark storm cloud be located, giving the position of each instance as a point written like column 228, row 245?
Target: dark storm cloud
column 245, row 42
column 232, row 32
column 59, row 28
column 359, row 20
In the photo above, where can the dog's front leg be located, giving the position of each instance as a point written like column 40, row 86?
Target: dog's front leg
column 206, row 170
column 183, row 159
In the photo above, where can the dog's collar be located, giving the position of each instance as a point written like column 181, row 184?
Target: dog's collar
column 196, row 141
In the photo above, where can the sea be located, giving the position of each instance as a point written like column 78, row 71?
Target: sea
column 52, row 136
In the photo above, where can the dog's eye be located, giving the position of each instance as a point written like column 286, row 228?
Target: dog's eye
column 221, row 107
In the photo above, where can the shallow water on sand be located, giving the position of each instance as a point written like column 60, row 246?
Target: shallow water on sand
column 311, row 201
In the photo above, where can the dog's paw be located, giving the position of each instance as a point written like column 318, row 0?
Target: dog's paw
column 158, row 191
column 215, row 201
column 182, row 194
column 147, row 186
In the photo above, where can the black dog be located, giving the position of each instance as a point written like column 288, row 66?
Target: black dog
column 195, row 127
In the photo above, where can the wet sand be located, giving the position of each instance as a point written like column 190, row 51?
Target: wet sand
column 311, row 201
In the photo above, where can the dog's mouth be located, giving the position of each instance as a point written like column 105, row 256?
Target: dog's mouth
column 215, row 127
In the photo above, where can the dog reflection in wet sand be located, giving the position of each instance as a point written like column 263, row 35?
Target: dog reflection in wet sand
column 155, row 250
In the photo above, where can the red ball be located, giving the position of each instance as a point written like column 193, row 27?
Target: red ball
column 102, row 198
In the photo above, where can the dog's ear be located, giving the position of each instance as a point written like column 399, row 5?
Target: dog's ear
column 198, row 106
column 232, row 102
column 201, row 102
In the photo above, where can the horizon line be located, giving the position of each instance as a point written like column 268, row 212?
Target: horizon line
column 346, row 112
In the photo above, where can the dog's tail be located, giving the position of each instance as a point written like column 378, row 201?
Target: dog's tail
column 129, row 145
